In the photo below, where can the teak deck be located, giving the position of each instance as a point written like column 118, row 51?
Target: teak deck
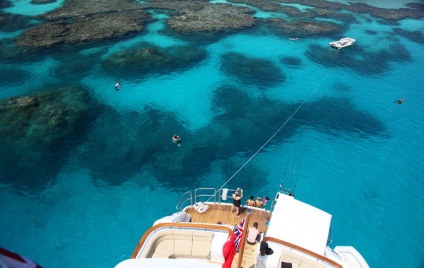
column 222, row 213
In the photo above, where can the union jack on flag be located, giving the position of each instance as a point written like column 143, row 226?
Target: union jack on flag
column 239, row 233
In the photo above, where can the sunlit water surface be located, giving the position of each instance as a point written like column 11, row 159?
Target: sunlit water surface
column 356, row 154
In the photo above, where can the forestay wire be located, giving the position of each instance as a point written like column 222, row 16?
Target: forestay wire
column 272, row 137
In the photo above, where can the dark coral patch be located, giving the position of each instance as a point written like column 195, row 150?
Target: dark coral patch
column 371, row 32
column 291, row 61
column 13, row 77
column 336, row 115
column 388, row 22
column 89, row 28
column 5, row 4
column 42, row 2
column 306, row 28
column 73, row 67
column 328, row 115
column 141, row 140
column 37, row 132
column 318, row 4
column 12, row 22
column 342, row 87
column 252, row 71
column 416, row 12
column 324, row 11
column 10, row 53
column 202, row 16
column 396, row 53
column 146, row 58
column 216, row 17
column 414, row 36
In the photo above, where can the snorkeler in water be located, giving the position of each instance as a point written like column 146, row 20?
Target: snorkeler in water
column 118, row 86
column 176, row 139
column 400, row 101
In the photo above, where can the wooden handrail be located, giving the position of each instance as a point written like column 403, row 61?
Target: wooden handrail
column 304, row 250
column 179, row 224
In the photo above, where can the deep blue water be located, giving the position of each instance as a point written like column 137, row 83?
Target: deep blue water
column 349, row 150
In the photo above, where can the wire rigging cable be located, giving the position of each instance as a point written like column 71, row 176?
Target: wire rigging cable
column 276, row 132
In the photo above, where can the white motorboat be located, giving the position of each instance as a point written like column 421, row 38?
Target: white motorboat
column 344, row 42
column 202, row 233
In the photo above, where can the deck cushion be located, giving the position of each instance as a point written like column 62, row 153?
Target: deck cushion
column 156, row 239
column 166, row 248
column 179, row 244
column 201, row 245
column 183, row 243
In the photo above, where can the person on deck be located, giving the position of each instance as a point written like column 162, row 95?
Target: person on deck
column 259, row 202
column 254, row 235
column 251, row 201
column 237, row 201
column 266, row 199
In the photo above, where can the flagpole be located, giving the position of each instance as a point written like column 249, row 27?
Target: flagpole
column 243, row 238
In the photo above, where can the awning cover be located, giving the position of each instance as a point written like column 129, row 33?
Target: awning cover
column 300, row 224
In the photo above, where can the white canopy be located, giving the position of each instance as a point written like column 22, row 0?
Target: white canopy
column 300, row 224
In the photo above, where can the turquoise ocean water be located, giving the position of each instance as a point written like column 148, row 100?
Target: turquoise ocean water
column 349, row 150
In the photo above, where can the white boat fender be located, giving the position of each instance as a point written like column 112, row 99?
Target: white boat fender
column 224, row 193
column 176, row 217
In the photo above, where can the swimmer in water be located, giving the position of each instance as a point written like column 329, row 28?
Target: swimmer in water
column 176, row 139
column 400, row 101
column 118, row 86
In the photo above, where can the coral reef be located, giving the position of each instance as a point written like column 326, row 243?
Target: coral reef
column 414, row 36
column 415, row 12
column 48, row 113
column 291, row 61
column 193, row 16
column 13, row 76
column 41, row 2
column 35, row 128
column 306, row 28
column 213, row 18
column 13, row 22
column 90, row 20
column 86, row 21
column 77, row 65
column 146, row 58
column 81, row 8
column 9, row 52
column 251, row 71
column 5, row 4
column 83, row 29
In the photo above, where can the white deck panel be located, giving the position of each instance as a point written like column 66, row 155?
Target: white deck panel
column 159, row 263
column 300, row 224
